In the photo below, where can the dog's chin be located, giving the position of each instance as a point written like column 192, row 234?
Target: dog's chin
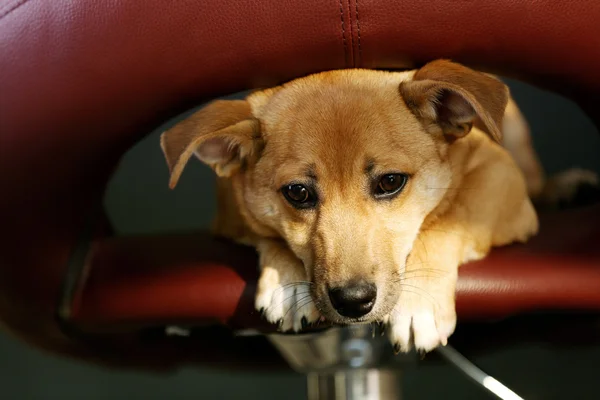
column 367, row 319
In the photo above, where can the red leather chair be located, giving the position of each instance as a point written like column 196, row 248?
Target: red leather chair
column 81, row 82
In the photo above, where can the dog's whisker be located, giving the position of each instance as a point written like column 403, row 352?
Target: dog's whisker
column 306, row 296
column 295, row 305
column 290, row 285
column 295, row 291
column 302, row 303
column 416, row 277
column 432, row 301
column 424, row 247
column 309, row 283
column 430, row 271
column 423, row 292
column 423, row 273
column 287, row 298
column 412, row 271
column 299, row 283
column 304, row 321
column 464, row 237
column 295, row 287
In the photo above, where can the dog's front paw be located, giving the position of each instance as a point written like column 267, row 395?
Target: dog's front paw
column 422, row 319
column 571, row 188
column 284, row 297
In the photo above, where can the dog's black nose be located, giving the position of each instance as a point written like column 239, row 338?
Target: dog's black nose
column 353, row 300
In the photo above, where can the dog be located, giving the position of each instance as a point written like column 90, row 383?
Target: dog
column 363, row 191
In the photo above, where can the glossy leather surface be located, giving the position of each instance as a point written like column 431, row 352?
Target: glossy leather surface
column 153, row 281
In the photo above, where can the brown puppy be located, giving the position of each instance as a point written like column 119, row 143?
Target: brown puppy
column 364, row 191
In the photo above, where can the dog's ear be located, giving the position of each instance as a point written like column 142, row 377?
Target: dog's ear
column 222, row 135
column 455, row 98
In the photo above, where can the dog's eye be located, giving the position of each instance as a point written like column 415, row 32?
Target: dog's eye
column 299, row 196
column 390, row 184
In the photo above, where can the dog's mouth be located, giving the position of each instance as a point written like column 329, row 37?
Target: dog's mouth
column 338, row 319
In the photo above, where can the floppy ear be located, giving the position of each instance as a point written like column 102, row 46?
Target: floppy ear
column 222, row 135
column 455, row 98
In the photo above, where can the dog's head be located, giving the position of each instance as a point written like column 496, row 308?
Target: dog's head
column 344, row 166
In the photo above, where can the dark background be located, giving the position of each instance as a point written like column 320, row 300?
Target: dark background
column 139, row 201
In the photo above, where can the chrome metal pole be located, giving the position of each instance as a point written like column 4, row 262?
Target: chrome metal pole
column 345, row 363
column 357, row 384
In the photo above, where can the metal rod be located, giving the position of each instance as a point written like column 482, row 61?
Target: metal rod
column 476, row 374
column 355, row 384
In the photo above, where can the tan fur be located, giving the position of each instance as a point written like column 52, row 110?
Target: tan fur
column 339, row 130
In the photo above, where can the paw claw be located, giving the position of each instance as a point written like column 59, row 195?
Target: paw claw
column 571, row 188
column 421, row 324
column 287, row 306
column 381, row 327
